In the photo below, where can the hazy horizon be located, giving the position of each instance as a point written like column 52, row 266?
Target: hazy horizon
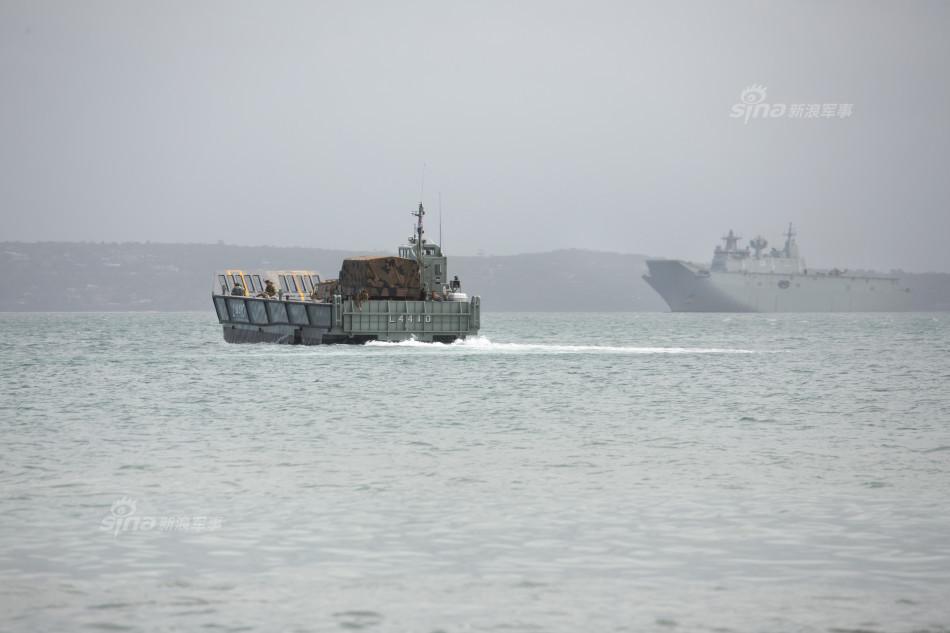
column 543, row 126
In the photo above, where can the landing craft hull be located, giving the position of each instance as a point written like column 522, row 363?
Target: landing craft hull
column 255, row 320
column 687, row 287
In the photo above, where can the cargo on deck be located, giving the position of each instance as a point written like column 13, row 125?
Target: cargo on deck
column 385, row 277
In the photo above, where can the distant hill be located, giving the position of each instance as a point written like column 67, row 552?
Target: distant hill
column 73, row 276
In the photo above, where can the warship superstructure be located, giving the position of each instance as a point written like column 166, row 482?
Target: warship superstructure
column 390, row 298
column 753, row 280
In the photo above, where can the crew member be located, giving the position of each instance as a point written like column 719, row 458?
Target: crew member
column 238, row 289
column 269, row 289
column 456, row 284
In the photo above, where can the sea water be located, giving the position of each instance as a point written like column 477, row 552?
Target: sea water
column 560, row 472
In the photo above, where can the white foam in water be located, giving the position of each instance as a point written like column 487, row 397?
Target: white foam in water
column 484, row 344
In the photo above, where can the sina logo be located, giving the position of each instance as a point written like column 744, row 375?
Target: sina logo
column 752, row 105
column 123, row 507
column 753, row 94
column 121, row 516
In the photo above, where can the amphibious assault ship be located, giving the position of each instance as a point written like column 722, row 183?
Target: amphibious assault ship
column 744, row 280
column 392, row 298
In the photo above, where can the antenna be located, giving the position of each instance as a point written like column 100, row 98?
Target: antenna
column 441, row 246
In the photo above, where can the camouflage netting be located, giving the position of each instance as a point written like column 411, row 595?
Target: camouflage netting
column 380, row 277
column 326, row 289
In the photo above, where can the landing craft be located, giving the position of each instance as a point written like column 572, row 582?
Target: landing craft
column 744, row 280
column 391, row 298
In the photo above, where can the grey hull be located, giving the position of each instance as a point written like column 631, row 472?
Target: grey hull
column 685, row 290
column 254, row 320
column 688, row 287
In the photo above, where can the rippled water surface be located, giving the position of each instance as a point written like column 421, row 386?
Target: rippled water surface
column 563, row 472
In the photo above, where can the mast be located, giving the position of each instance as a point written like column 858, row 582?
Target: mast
column 788, row 240
column 732, row 241
column 417, row 238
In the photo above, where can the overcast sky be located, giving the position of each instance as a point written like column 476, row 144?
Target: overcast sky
column 544, row 125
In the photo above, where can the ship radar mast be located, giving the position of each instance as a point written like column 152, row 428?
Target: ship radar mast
column 758, row 244
column 732, row 241
column 418, row 241
column 790, row 247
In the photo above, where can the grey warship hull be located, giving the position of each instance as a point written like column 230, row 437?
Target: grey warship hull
column 752, row 279
column 259, row 320
column 688, row 287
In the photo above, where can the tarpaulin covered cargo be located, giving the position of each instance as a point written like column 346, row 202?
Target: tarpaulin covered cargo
column 380, row 277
